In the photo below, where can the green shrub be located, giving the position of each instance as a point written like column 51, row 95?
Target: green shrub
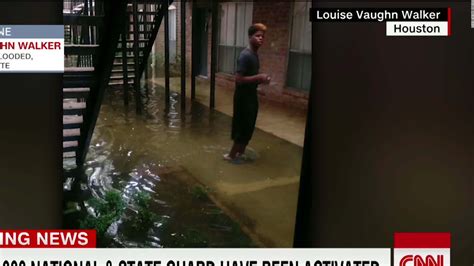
column 106, row 212
column 199, row 193
column 144, row 219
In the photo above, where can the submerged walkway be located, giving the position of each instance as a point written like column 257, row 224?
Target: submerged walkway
column 260, row 195
column 282, row 122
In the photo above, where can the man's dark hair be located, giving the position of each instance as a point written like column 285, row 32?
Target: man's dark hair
column 256, row 27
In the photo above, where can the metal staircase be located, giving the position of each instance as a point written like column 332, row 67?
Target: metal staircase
column 135, row 45
column 89, row 34
column 106, row 43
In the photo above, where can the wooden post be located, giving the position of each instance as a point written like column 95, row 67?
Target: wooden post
column 167, row 54
column 193, row 52
column 136, row 55
column 183, row 54
column 213, row 54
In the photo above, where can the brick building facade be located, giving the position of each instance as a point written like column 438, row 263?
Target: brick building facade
column 287, row 23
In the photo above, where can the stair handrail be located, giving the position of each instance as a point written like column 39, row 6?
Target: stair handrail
column 114, row 17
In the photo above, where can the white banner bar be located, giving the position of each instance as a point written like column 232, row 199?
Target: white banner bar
column 195, row 257
column 32, row 55
column 417, row 28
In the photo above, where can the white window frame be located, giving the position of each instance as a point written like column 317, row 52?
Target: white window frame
column 303, row 51
column 247, row 21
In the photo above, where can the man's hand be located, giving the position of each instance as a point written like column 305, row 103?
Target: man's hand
column 264, row 78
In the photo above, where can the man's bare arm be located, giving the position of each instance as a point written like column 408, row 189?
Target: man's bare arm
column 259, row 78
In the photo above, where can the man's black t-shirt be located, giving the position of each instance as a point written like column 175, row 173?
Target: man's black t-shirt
column 245, row 98
column 247, row 65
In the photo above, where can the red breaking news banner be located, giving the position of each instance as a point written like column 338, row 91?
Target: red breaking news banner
column 47, row 239
column 422, row 240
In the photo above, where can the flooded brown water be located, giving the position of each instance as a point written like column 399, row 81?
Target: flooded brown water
column 160, row 153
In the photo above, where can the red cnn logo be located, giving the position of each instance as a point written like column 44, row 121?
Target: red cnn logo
column 419, row 261
column 422, row 249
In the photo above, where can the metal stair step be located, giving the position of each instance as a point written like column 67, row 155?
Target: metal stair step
column 120, row 82
column 120, row 70
column 121, row 64
column 74, row 105
column 119, row 56
column 78, row 77
column 80, row 49
column 131, row 76
column 72, row 119
column 69, row 154
column 131, row 40
column 73, row 132
column 78, row 69
column 76, row 92
column 73, row 19
column 69, row 144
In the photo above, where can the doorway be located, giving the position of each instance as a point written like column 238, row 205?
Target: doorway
column 201, row 18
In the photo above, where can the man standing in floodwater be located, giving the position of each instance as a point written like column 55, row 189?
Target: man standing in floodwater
column 247, row 79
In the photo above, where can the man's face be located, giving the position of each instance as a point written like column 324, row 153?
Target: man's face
column 256, row 39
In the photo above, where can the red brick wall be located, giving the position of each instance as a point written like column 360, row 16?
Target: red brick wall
column 160, row 39
column 273, row 54
column 160, row 44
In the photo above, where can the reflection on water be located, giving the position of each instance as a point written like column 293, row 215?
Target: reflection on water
column 133, row 154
